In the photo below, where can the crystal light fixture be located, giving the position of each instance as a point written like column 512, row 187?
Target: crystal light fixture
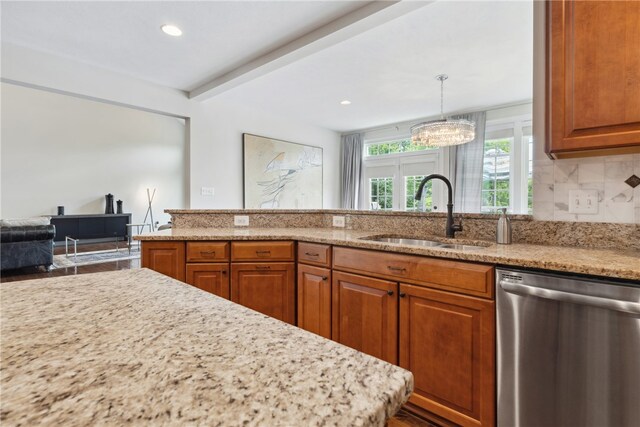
column 443, row 132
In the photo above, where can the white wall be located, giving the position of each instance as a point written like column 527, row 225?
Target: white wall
column 214, row 128
column 216, row 160
column 63, row 150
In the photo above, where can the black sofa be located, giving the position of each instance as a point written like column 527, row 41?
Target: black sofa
column 26, row 246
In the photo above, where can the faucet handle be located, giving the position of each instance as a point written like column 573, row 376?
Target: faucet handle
column 458, row 226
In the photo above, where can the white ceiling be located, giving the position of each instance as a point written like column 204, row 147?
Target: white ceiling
column 125, row 36
column 387, row 71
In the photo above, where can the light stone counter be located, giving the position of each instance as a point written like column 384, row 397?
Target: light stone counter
column 624, row 264
column 136, row 347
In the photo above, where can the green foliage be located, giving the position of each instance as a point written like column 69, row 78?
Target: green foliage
column 394, row 147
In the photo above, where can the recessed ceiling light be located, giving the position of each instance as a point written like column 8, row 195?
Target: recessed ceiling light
column 345, row 102
column 172, row 30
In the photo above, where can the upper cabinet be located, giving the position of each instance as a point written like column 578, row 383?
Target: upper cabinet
column 593, row 77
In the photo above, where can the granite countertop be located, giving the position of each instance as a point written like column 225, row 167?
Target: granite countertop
column 598, row 262
column 137, row 347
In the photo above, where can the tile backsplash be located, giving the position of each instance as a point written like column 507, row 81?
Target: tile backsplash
column 554, row 181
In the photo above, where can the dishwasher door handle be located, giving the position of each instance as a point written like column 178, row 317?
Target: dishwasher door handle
column 610, row 304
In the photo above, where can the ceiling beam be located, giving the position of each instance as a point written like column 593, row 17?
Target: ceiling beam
column 371, row 15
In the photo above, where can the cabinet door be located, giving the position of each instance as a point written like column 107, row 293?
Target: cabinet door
column 213, row 278
column 314, row 299
column 593, row 76
column 267, row 287
column 447, row 342
column 365, row 315
column 164, row 257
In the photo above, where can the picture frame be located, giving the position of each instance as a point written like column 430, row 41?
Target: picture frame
column 280, row 174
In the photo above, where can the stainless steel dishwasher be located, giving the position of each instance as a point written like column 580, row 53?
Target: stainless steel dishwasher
column 568, row 351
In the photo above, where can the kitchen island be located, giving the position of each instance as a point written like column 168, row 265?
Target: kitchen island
column 138, row 347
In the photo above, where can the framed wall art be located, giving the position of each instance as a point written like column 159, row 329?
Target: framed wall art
column 280, row 174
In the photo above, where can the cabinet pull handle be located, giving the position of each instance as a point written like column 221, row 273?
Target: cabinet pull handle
column 396, row 269
column 311, row 254
column 208, row 253
column 224, row 271
column 263, row 267
column 263, row 253
column 389, row 293
column 324, row 277
column 402, row 294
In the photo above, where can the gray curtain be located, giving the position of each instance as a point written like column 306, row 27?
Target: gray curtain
column 351, row 170
column 465, row 167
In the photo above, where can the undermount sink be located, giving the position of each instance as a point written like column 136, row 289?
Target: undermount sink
column 404, row 241
column 424, row 243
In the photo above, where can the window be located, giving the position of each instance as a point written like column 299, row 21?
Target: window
column 506, row 175
column 392, row 178
column 394, row 147
column 411, row 184
column 496, row 173
column 381, row 191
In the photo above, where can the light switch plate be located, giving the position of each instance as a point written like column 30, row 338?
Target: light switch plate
column 583, row 202
column 241, row 220
column 207, row 191
column 338, row 221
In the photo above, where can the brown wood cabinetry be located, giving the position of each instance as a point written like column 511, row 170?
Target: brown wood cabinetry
column 207, row 251
column 213, row 278
column 314, row 299
column 593, row 77
column 267, row 287
column 447, row 342
column 262, row 251
column 365, row 315
column 165, row 257
column 315, row 254
column 457, row 276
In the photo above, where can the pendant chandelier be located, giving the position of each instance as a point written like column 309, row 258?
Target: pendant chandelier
column 443, row 132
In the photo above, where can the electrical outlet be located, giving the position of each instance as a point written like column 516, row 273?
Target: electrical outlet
column 338, row 221
column 206, row 191
column 583, row 202
column 241, row 220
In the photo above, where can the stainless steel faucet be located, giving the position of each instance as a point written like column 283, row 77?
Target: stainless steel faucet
column 451, row 228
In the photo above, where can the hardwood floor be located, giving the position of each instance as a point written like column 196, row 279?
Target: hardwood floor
column 402, row 419
column 30, row 273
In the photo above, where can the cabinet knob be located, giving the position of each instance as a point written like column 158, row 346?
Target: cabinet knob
column 389, row 292
column 324, row 277
column 224, row 271
column 402, row 294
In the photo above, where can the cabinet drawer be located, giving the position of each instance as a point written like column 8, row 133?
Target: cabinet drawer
column 464, row 277
column 314, row 253
column 262, row 251
column 207, row 251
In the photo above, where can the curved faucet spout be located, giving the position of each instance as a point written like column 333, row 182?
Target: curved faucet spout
column 435, row 176
column 451, row 228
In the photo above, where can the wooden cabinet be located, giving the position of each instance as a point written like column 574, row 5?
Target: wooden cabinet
column 210, row 277
column 262, row 251
column 267, row 287
column 365, row 315
column 315, row 254
column 593, row 77
column 314, row 299
column 457, row 276
column 447, row 342
column 207, row 251
column 164, row 257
